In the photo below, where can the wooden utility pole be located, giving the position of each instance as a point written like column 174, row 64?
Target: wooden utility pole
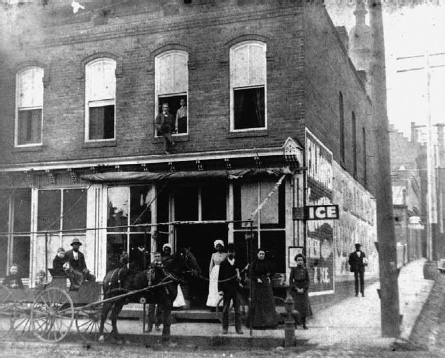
column 389, row 289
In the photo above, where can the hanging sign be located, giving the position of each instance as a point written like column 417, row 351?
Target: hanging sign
column 317, row 212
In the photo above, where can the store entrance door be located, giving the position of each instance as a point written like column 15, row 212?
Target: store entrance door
column 199, row 238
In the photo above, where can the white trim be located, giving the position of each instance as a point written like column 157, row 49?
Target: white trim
column 170, row 94
column 17, row 109
column 232, row 88
column 98, row 103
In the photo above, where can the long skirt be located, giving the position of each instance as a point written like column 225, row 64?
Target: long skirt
column 263, row 313
column 214, row 297
column 302, row 304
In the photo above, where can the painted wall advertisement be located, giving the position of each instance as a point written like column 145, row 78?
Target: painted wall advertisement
column 320, row 239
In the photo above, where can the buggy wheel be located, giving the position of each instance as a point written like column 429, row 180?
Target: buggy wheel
column 21, row 324
column 7, row 311
column 88, row 323
column 52, row 315
column 244, row 310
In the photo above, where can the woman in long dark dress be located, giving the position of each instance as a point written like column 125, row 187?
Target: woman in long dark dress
column 299, row 286
column 262, row 314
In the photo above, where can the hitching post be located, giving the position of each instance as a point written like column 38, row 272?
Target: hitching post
column 289, row 322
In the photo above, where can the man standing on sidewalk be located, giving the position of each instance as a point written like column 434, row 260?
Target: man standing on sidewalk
column 358, row 261
column 229, row 284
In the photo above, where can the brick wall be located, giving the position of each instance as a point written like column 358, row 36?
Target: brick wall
column 306, row 68
column 324, row 50
column 133, row 35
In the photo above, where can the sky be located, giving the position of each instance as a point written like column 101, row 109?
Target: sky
column 409, row 31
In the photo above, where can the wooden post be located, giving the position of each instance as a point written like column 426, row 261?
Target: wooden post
column 389, row 289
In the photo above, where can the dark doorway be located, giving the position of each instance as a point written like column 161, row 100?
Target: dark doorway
column 199, row 238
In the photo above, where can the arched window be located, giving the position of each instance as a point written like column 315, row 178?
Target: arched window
column 365, row 154
column 342, row 127
column 29, row 105
column 100, row 100
column 354, row 144
column 248, row 86
column 171, row 84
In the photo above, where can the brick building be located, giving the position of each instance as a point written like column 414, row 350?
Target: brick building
column 275, row 110
column 409, row 182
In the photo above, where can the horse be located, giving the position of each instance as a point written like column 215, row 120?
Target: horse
column 155, row 285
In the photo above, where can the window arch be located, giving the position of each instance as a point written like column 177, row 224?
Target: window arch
column 248, row 86
column 100, row 99
column 354, row 144
column 171, row 86
column 29, row 105
column 342, row 126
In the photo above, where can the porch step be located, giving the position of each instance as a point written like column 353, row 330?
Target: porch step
column 135, row 311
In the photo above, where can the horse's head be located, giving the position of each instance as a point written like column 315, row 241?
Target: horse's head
column 190, row 262
column 123, row 259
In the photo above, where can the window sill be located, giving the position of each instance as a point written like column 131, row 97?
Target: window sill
column 100, row 144
column 251, row 133
column 176, row 138
column 34, row 148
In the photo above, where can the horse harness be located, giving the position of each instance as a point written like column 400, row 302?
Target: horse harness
column 116, row 272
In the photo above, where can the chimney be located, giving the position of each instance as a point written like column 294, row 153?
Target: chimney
column 341, row 30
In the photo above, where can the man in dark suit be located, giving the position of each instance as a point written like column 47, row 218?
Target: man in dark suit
column 358, row 261
column 229, row 284
column 77, row 261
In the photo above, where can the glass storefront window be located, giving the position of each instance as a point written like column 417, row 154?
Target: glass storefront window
column 15, row 240
column 128, row 210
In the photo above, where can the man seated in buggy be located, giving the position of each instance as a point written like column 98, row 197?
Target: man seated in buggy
column 72, row 265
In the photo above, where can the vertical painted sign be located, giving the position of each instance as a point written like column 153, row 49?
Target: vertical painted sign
column 320, row 239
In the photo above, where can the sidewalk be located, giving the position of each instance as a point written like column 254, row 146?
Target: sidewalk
column 351, row 323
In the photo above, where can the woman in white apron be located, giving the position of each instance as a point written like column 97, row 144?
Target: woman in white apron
column 218, row 257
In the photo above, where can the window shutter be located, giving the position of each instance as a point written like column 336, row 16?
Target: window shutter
column 172, row 73
column 101, row 80
column 30, row 88
column 248, row 65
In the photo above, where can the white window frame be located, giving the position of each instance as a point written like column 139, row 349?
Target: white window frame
column 249, row 83
column 37, row 102
column 170, row 92
column 100, row 102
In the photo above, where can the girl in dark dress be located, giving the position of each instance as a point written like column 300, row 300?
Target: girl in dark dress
column 13, row 280
column 263, row 314
column 299, row 286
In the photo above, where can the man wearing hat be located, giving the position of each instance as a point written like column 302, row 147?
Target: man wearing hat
column 77, row 260
column 229, row 285
column 358, row 261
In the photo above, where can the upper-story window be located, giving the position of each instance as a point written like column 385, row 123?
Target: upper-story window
column 171, row 84
column 248, row 86
column 29, row 106
column 100, row 101
column 354, row 144
column 342, row 126
column 365, row 154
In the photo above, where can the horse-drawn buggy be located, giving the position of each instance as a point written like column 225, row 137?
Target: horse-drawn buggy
column 51, row 312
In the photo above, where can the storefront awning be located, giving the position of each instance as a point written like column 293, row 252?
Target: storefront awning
column 150, row 176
